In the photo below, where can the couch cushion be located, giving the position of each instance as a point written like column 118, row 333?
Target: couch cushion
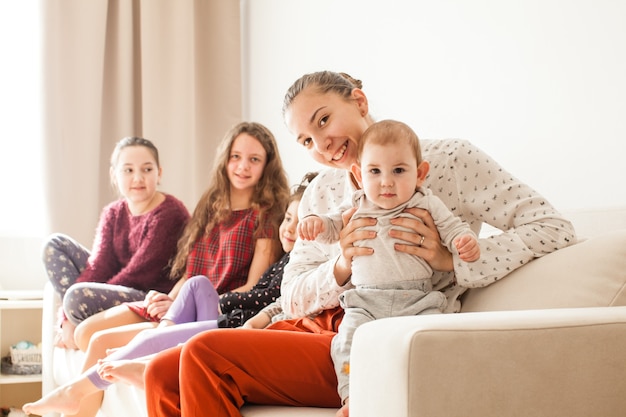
column 591, row 273
column 67, row 364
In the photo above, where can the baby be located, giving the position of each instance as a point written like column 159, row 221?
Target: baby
column 389, row 283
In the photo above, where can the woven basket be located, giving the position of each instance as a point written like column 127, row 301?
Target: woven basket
column 30, row 356
column 19, row 369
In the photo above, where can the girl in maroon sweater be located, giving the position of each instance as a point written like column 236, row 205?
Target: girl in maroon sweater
column 135, row 239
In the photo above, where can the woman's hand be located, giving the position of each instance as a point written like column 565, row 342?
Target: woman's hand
column 157, row 304
column 350, row 234
column 424, row 241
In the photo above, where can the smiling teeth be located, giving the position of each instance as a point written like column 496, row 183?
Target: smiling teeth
column 340, row 153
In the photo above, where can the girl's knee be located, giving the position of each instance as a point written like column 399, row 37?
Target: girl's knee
column 56, row 241
column 197, row 282
column 103, row 340
column 82, row 336
column 202, row 285
column 87, row 329
column 52, row 248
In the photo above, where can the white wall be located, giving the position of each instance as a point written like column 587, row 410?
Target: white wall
column 540, row 85
column 21, row 267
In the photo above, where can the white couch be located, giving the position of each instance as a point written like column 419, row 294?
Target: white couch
column 548, row 340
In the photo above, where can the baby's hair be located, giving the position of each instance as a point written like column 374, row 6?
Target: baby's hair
column 386, row 132
column 133, row 141
column 298, row 190
column 269, row 198
column 325, row 81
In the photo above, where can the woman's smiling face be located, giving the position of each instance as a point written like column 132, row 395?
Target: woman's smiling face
column 328, row 126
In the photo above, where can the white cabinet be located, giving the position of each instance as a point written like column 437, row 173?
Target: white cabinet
column 20, row 319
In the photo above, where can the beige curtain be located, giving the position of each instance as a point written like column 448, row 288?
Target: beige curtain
column 165, row 70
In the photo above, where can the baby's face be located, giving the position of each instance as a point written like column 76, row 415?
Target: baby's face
column 287, row 229
column 389, row 174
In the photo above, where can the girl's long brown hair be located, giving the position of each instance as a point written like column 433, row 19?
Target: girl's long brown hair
column 269, row 198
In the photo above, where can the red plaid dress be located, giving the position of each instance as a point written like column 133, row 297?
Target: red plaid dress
column 225, row 255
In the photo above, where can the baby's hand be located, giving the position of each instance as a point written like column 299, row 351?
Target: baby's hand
column 310, row 227
column 468, row 248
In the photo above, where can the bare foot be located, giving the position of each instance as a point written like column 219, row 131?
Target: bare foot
column 61, row 400
column 127, row 371
column 68, row 334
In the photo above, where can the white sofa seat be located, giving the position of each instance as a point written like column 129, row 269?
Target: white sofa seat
column 548, row 340
column 552, row 363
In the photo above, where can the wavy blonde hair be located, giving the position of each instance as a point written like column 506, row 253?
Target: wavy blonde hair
column 269, row 198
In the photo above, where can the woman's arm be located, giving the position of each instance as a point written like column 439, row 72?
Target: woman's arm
column 478, row 190
column 317, row 273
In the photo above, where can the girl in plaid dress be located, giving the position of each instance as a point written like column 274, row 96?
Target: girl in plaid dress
column 231, row 236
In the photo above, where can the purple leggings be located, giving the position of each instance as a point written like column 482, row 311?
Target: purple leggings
column 194, row 310
column 196, row 301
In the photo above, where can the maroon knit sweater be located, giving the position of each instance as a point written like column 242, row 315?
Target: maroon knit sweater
column 134, row 251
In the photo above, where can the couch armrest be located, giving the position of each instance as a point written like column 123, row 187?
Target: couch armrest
column 560, row 362
column 51, row 303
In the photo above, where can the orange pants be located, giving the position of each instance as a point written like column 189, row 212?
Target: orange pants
column 217, row 371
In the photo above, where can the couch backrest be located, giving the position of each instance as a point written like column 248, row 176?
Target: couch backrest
column 591, row 273
column 594, row 222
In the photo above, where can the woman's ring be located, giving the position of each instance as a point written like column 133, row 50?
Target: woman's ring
column 421, row 241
